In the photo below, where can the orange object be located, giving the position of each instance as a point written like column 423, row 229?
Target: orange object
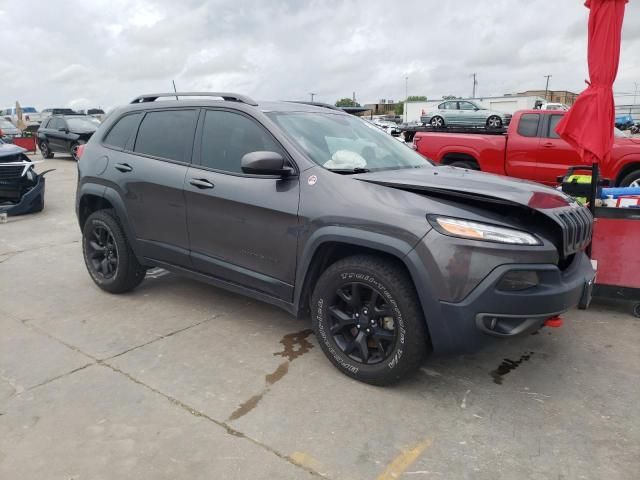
column 553, row 322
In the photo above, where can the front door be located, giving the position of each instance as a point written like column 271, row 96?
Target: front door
column 149, row 173
column 56, row 134
column 555, row 155
column 242, row 228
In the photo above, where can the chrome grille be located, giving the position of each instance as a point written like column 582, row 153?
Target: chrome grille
column 577, row 227
column 11, row 172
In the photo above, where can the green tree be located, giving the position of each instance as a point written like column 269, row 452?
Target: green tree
column 347, row 102
column 399, row 109
column 416, row 98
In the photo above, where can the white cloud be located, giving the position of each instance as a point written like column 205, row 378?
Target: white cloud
column 105, row 52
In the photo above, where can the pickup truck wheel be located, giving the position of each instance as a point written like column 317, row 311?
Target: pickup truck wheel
column 494, row 122
column 631, row 180
column 45, row 150
column 368, row 321
column 109, row 259
column 437, row 122
column 461, row 164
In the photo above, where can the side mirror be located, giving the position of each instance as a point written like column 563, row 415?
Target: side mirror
column 265, row 163
column 476, row 108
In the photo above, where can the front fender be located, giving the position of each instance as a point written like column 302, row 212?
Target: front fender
column 403, row 251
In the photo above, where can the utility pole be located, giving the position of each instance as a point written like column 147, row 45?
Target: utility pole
column 546, row 89
column 312, row 95
column 406, row 97
column 635, row 94
column 475, row 82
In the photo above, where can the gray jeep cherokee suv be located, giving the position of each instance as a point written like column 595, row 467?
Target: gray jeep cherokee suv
column 318, row 212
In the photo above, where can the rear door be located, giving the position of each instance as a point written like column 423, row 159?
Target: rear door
column 555, row 155
column 467, row 114
column 451, row 113
column 149, row 172
column 242, row 228
column 521, row 155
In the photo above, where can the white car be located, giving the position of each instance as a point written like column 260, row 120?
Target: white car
column 30, row 115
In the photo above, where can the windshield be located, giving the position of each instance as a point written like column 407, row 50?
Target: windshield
column 80, row 123
column 619, row 133
column 346, row 143
column 29, row 110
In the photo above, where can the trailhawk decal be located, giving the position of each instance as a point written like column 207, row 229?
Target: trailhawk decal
column 365, row 278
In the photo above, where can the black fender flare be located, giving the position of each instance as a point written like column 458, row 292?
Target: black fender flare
column 114, row 198
column 396, row 247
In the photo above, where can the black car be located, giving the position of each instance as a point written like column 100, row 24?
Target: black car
column 64, row 134
column 324, row 215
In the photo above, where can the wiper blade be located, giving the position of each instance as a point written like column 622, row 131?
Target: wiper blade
column 349, row 170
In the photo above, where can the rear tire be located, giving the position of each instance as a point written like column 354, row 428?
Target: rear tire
column 494, row 122
column 631, row 180
column 74, row 150
column 108, row 256
column 367, row 318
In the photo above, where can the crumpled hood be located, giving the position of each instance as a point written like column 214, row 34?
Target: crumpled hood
column 8, row 149
column 458, row 182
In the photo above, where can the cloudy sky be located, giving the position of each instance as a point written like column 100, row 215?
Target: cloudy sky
column 83, row 53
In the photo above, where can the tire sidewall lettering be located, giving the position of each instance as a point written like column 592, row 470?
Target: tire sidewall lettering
column 320, row 312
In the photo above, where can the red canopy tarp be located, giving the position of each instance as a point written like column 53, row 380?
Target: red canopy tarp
column 588, row 125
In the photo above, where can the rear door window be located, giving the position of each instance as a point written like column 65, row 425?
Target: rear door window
column 167, row 134
column 227, row 137
column 528, row 126
column 120, row 133
column 553, row 123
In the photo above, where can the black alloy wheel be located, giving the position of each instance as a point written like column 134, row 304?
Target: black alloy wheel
column 102, row 251
column 362, row 324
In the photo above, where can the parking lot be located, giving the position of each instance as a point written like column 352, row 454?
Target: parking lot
column 182, row 380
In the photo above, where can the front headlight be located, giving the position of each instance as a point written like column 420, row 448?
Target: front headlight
column 482, row 231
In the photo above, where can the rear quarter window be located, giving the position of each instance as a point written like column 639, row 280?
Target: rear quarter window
column 121, row 132
column 528, row 126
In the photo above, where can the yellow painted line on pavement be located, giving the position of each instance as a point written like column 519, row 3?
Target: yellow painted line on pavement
column 404, row 460
column 307, row 461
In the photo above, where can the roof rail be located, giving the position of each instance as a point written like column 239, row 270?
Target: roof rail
column 229, row 97
column 315, row 104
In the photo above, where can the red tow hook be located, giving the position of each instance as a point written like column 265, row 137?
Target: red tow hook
column 553, row 322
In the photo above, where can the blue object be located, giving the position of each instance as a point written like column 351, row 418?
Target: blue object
column 620, row 191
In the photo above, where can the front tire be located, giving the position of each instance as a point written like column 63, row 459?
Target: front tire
column 110, row 261
column 45, row 150
column 368, row 321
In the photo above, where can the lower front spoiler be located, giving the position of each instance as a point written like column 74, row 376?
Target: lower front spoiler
column 32, row 201
column 489, row 313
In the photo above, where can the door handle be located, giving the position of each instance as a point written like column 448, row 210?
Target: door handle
column 548, row 145
column 201, row 183
column 123, row 167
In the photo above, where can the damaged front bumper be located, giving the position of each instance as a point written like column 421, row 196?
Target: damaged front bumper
column 30, row 202
column 21, row 188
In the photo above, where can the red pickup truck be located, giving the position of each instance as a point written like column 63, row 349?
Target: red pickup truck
column 531, row 149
